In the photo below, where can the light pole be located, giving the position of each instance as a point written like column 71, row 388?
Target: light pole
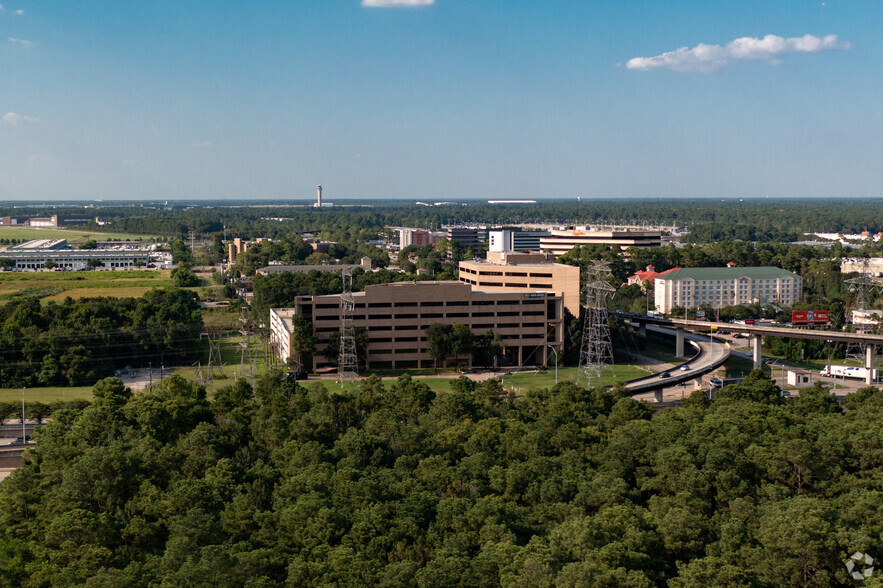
column 555, row 351
column 24, row 437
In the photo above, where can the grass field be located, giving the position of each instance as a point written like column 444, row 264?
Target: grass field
column 72, row 235
column 58, row 285
column 47, row 395
column 546, row 379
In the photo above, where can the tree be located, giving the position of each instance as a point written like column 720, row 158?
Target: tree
column 303, row 342
column 6, row 263
column 462, row 341
column 94, row 263
column 438, row 340
column 184, row 277
column 89, row 244
column 49, row 264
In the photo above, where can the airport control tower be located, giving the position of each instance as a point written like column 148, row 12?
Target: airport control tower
column 318, row 203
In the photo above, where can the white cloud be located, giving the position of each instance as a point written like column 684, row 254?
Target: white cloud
column 1, row 7
column 202, row 144
column 12, row 119
column 23, row 42
column 397, row 3
column 20, row 12
column 707, row 58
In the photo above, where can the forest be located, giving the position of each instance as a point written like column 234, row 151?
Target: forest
column 77, row 342
column 708, row 220
column 396, row 486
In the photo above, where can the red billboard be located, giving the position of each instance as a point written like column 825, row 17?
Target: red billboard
column 749, row 321
column 809, row 317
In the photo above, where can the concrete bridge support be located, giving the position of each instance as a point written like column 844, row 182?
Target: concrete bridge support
column 642, row 328
column 756, row 354
column 870, row 351
column 679, row 343
column 657, row 396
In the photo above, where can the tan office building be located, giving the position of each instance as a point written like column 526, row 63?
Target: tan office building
column 396, row 316
column 560, row 242
column 524, row 271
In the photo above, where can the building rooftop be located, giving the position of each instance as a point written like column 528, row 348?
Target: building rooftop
column 726, row 273
column 40, row 245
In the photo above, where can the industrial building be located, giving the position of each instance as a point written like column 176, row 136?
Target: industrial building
column 48, row 222
column 33, row 255
column 396, row 316
column 726, row 286
column 560, row 241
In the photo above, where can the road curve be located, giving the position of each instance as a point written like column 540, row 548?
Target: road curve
column 710, row 356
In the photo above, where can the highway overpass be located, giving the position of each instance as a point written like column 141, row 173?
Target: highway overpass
column 868, row 341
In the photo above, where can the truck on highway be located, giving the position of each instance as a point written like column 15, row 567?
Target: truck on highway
column 847, row 371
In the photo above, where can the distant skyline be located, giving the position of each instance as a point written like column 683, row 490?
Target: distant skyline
column 439, row 99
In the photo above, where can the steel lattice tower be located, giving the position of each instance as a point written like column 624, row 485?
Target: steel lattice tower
column 347, row 366
column 596, row 347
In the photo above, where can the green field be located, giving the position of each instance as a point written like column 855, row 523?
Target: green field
column 47, row 395
column 546, row 379
column 58, row 285
column 72, row 235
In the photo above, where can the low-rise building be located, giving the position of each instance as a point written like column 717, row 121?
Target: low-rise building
column 395, row 317
column 726, row 286
column 560, row 242
column 34, row 255
column 647, row 275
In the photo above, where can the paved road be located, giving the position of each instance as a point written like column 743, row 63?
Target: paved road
column 710, row 355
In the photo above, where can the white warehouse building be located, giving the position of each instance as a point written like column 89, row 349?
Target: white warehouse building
column 726, row 286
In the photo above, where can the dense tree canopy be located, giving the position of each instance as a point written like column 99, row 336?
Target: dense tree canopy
column 398, row 487
column 76, row 342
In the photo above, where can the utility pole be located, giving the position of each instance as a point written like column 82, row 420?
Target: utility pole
column 24, row 436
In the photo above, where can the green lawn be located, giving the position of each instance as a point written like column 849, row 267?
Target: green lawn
column 72, row 235
column 546, row 379
column 58, row 285
column 47, row 395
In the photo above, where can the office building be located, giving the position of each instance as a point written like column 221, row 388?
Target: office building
column 560, row 242
column 507, row 270
column 395, row 317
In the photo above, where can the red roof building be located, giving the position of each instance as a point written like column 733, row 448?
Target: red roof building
column 647, row 275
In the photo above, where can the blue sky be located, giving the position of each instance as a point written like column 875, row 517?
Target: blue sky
column 455, row 99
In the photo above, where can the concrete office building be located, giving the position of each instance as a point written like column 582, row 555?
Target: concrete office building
column 726, row 286
column 515, row 239
column 507, row 270
column 34, row 255
column 560, row 242
column 396, row 316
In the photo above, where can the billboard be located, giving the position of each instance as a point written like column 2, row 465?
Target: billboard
column 809, row 317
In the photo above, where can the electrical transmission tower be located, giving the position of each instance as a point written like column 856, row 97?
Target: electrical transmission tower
column 248, row 347
column 347, row 366
column 596, row 347
column 214, row 367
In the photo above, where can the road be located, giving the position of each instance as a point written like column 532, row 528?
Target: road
column 710, row 354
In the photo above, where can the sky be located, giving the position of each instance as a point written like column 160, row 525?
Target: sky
column 440, row 99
